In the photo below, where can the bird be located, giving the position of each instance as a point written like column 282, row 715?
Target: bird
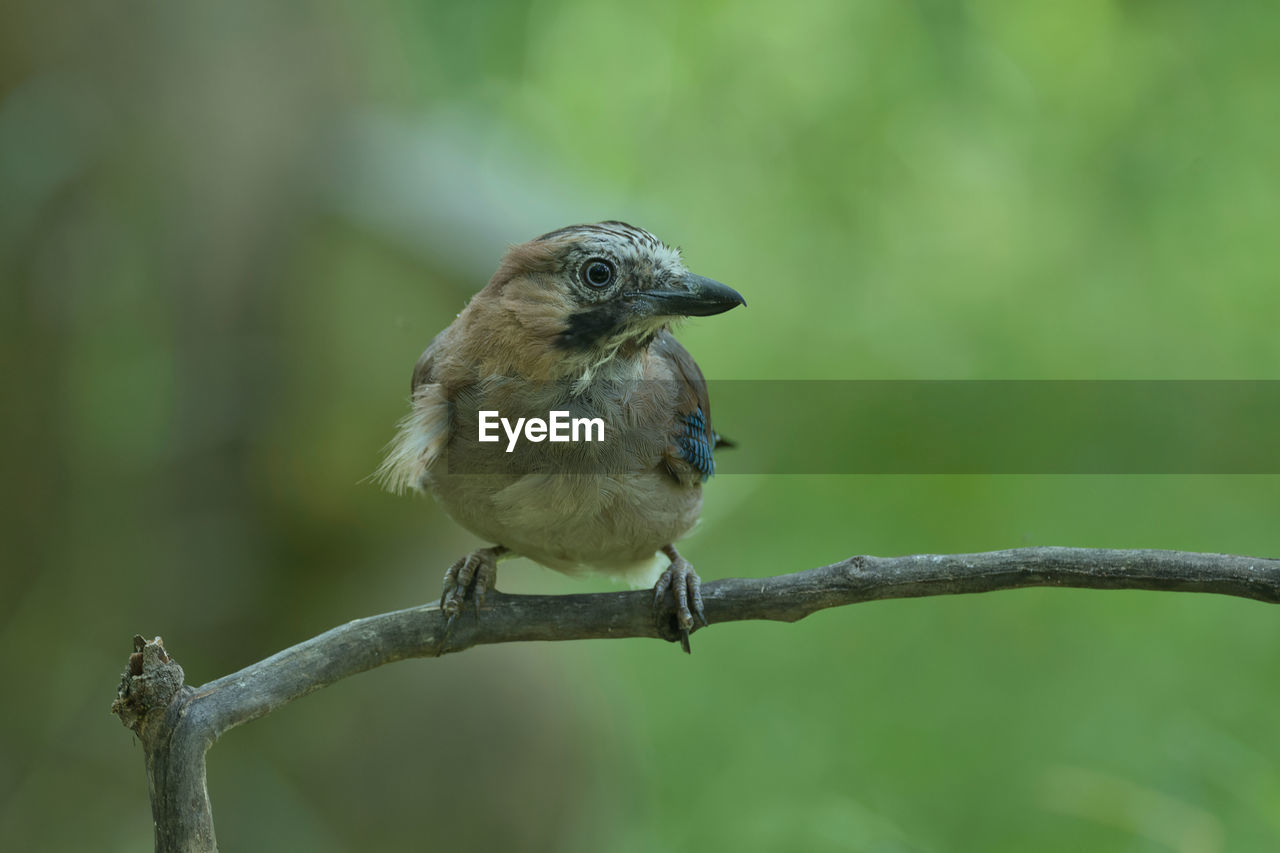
column 576, row 321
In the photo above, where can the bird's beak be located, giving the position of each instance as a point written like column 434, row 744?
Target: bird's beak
column 698, row 297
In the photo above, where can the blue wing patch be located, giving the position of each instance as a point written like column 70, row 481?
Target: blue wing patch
column 696, row 444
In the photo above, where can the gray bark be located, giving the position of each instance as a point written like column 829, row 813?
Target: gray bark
column 177, row 724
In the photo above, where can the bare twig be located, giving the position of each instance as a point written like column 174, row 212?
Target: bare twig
column 177, row 724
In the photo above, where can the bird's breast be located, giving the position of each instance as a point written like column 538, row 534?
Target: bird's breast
column 595, row 500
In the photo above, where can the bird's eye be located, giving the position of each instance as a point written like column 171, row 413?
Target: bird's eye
column 598, row 272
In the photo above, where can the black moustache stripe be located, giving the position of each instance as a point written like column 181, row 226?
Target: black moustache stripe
column 586, row 329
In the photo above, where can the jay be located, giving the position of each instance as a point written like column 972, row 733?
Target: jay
column 576, row 321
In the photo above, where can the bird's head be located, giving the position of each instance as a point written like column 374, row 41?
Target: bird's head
column 584, row 295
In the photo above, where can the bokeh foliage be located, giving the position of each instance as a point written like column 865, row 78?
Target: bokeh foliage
column 228, row 229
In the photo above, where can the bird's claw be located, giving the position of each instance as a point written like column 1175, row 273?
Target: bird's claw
column 686, row 588
column 474, row 575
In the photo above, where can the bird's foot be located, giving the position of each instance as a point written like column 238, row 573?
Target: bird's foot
column 473, row 575
column 686, row 589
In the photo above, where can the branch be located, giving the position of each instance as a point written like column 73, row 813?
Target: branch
column 177, row 724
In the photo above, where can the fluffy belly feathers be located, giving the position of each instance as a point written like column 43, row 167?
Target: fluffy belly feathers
column 614, row 523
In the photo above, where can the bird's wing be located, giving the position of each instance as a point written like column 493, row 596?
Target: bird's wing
column 421, row 435
column 689, row 456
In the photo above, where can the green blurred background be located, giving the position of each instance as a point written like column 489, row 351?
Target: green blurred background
column 227, row 230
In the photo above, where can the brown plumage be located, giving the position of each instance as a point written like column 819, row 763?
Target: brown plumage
column 577, row 321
